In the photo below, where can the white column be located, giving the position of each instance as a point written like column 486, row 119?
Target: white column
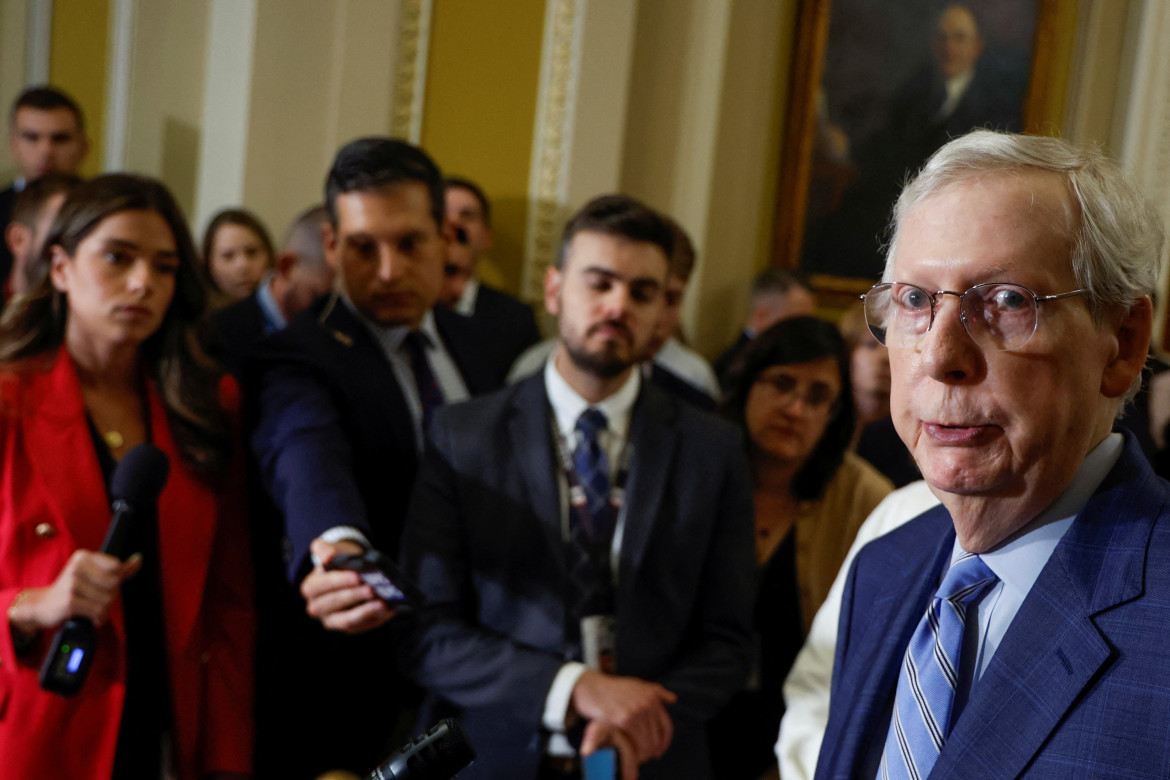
column 223, row 149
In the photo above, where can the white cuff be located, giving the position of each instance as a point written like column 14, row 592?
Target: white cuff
column 560, row 693
column 342, row 533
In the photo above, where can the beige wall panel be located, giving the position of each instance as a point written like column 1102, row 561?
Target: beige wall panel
column 165, row 104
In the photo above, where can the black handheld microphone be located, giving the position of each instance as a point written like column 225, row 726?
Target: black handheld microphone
column 438, row 754
column 138, row 481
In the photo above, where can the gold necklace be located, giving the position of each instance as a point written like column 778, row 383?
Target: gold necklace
column 114, row 439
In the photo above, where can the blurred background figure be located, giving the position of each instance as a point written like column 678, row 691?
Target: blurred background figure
column 459, row 269
column 875, row 438
column 237, row 252
column 869, row 366
column 33, row 213
column 794, row 401
column 299, row 276
column 97, row 358
column 776, row 294
column 46, row 134
column 510, row 322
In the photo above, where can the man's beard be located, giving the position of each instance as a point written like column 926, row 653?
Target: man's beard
column 604, row 364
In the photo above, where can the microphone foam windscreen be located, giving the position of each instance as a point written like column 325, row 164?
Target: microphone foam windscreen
column 140, row 476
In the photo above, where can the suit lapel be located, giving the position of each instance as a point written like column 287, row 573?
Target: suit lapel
column 464, row 344
column 530, row 429
column 653, row 439
column 359, row 349
column 62, row 451
column 1053, row 650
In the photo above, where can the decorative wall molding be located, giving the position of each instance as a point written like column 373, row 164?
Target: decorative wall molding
column 40, row 38
column 120, row 68
column 410, row 75
column 548, row 178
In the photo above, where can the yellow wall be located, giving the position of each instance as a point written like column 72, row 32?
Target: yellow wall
column 77, row 64
column 480, row 104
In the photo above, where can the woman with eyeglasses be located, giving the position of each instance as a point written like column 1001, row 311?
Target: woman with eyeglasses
column 98, row 356
column 794, row 400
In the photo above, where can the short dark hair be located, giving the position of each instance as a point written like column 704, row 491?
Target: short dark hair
column 778, row 281
column 243, row 218
column 485, row 206
column 799, row 340
column 45, row 98
column 375, row 162
column 618, row 215
column 36, row 193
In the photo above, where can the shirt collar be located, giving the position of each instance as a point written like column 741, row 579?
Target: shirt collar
column 393, row 335
column 274, row 318
column 1018, row 562
column 567, row 404
column 466, row 303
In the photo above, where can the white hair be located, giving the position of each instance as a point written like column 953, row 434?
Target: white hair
column 1117, row 235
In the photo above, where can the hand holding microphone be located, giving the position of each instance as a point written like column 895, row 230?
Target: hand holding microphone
column 85, row 588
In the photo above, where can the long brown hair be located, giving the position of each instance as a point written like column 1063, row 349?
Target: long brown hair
column 33, row 324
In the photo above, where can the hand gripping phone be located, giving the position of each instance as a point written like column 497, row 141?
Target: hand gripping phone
column 383, row 575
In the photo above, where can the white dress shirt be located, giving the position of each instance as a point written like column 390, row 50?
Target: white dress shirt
column 567, row 406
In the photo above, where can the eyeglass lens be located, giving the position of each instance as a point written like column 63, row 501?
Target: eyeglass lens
column 817, row 396
column 996, row 315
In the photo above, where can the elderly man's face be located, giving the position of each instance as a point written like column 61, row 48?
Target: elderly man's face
column 956, row 43
column 1007, row 429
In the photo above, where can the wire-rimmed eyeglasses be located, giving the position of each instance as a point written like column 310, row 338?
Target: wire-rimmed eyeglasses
column 996, row 315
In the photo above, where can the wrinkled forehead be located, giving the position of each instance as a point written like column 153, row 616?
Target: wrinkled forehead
column 998, row 223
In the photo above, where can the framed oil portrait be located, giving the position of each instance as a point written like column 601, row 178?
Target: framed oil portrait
column 876, row 88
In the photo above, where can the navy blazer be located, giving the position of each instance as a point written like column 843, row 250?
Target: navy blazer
column 335, row 445
column 331, row 428
column 511, row 321
column 237, row 330
column 1080, row 685
column 484, row 541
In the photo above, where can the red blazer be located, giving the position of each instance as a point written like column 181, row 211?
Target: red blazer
column 52, row 502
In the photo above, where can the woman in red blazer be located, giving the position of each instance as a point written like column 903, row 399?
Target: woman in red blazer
column 96, row 358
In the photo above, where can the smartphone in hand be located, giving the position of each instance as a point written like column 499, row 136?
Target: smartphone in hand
column 383, row 575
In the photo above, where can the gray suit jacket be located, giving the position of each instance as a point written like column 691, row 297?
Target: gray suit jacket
column 483, row 540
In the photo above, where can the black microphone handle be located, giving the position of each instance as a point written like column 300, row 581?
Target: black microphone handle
column 439, row 754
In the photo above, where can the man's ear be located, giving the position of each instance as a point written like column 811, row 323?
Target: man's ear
column 285, row 262
column 1132, row 332
column 332, row 250
column 57, row 260
column 18, row 237
column 552, row 291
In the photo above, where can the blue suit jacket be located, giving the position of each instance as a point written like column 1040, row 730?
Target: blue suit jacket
column 484, row 541
column 1080, row 685
column 335, row 445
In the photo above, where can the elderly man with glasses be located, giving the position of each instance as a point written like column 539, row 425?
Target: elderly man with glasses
column 1019, row 628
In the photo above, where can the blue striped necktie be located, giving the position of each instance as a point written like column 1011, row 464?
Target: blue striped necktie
column 930, row 673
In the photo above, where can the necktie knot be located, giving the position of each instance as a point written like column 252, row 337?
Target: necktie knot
column 591, row 422
column 965, row 580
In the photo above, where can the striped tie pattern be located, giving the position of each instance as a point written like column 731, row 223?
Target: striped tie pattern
column 930, row 674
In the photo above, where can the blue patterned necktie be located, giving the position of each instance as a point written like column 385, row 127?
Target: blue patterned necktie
column 593, row 468
column 590, row 585
column 930, row 673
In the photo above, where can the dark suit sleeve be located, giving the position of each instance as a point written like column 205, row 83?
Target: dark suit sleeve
column 304, row 457
column 444, row 648
column 716, row 662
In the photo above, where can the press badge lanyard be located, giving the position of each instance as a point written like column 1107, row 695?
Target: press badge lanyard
column 578, row 501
